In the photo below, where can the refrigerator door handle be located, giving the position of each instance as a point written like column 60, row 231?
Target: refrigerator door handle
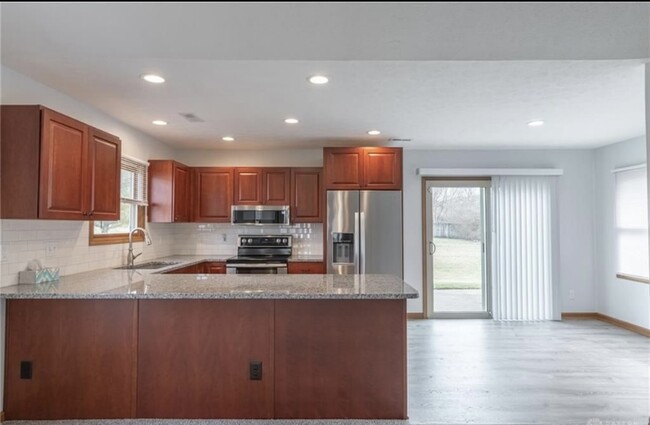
column 357, row 257
column 362, row 242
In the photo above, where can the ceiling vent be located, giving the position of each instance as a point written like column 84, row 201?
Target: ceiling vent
column 399, row 140
column 191, row 117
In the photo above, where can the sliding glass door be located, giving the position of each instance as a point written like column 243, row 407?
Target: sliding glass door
column 456, row 248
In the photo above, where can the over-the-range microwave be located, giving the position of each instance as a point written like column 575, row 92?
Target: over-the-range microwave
column 260, row 214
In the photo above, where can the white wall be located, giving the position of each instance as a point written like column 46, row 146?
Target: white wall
column 252, row 158
column 18, row 89
column 619, row 298
column 575, row 203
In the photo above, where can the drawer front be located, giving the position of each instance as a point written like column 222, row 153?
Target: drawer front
column 306, row 268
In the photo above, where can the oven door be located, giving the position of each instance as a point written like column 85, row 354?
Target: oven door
column 256, row 269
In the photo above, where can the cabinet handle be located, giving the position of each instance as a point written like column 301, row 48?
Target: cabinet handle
column 91, row 212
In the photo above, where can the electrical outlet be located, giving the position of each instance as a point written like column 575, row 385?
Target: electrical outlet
column 50, row 250
column 572, row 294
column 3, row 253
column 224, row 236
column 255, row 371
column 25, row 369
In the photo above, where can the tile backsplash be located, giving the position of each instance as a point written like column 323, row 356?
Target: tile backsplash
column 64, row 244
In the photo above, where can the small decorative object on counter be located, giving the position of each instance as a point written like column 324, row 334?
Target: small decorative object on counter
column 36, row 273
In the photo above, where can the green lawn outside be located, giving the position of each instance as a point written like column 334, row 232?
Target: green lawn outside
column 457, row 264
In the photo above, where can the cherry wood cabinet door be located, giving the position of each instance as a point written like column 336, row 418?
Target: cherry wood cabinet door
column 213, row 194
column 332, row 357
column 343, row 168
column 306, row 268
column 276, row 186
column 307, row 195
column 63, row 188
column 181, row 193
column 248, row 186
column 213, row 267
column 382, row 168
column 104, row 169
column 194, row 359
column 83, row 355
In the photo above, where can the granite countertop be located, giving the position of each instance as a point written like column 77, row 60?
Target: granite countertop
column 151, row 284
column 306, row 259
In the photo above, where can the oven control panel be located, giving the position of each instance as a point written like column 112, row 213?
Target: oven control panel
column 264, row 241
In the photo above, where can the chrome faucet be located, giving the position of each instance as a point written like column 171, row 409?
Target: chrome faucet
column 131, row 257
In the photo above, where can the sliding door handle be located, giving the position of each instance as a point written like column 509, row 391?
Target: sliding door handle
column 432, row 248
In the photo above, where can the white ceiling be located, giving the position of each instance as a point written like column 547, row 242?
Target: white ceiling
column 243, row 69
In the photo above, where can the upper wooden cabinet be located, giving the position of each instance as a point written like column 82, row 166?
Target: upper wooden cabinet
column 343, row 168
column 213, row 194
column 382, row 168
column 105, row 169
column 248, row 186
column 169, row 192
column 262, row 186
column 55, row 167
column 363, row 168
column 307, row 195
column 276, row 186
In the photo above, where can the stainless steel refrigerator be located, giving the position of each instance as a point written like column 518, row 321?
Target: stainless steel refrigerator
column 364, row 232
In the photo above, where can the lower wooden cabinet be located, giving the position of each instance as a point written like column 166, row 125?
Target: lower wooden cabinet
column 213, row 267
column 306, row 267
column 194, row 358
column 82, row 356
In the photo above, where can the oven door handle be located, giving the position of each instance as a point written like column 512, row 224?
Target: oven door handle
column 256, row 266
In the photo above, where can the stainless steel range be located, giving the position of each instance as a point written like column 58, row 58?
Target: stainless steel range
column 260, row 254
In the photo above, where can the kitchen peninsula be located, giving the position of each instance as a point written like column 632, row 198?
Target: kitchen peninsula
column 132, row 344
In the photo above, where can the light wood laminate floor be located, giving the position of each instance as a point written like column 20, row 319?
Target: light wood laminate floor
column 487, row 372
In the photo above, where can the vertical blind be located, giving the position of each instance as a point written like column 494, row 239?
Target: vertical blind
column 523, row 272
column 632, row 222
column 134, row 181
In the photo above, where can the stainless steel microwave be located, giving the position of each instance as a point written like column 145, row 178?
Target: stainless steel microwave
column 260, row 214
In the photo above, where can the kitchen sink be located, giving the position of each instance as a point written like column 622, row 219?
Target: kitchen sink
column 150, row 265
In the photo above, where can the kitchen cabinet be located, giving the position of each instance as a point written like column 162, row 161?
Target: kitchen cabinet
column 382, row 168
column 169, row 192
column 214, row 267
column 262, row 186
column 369, row 168
column 307, row 195
column 105, row 169
column 56, row 167
column 248, row 186
column 343, row 168
column 276, row 189
column 299, row 267
column 213, row 194
column 82, row 355
column 194, row 359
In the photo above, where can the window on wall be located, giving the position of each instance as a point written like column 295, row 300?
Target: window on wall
column 132, row 207
column 632, row 223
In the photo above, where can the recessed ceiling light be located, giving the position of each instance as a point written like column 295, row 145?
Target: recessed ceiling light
column 374, row 132
column 159, row 122
column 153, row 78
column 536, row 123
column 318, row 79
column 291, row 121
column 228, row 139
